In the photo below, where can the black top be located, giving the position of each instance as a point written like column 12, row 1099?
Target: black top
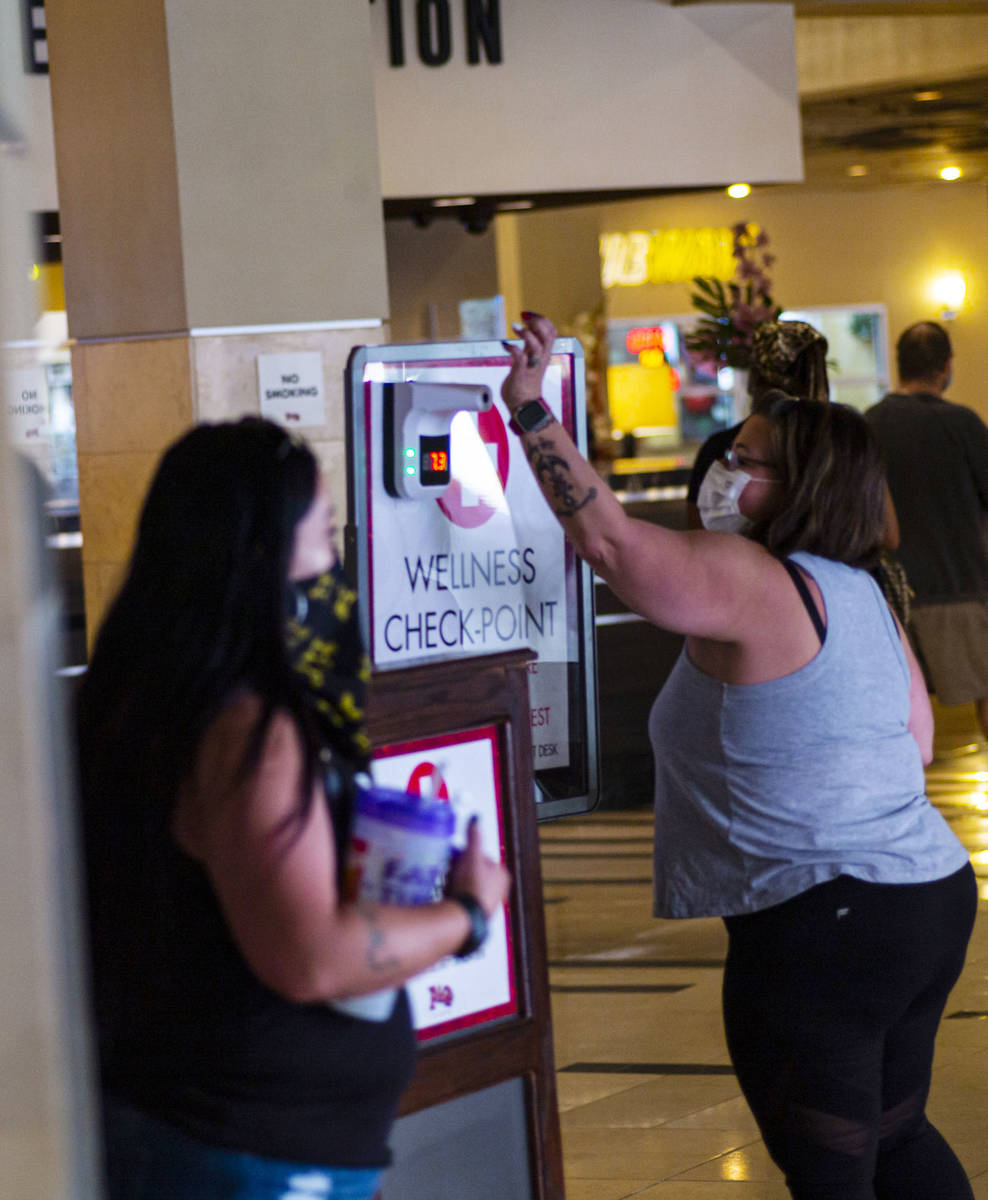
column 937, row 454
column 716, row 446
column 189, row 1034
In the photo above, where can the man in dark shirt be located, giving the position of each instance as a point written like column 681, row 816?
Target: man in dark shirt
column 937, row 455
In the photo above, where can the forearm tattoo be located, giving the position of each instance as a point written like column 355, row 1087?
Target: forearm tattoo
column 377, row 956
column 553, row 474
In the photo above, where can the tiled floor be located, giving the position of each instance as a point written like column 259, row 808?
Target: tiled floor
column 649, row 1105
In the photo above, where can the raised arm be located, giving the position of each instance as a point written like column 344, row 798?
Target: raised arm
column 697, row 583
column 275, row 877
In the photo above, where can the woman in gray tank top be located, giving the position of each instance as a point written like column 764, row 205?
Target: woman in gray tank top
column 789, row 743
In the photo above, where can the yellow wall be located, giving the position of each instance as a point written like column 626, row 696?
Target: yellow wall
column 840, row 246
column 557, row 264
column 430, row 271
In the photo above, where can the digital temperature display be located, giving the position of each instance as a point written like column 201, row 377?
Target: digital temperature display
column 434, row 457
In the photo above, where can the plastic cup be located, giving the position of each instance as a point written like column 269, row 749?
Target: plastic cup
column 399, row 854
column 399, row 847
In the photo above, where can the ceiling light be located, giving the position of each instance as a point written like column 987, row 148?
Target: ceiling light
column 857, row 170
column 515, row 205
column 454, row 202
column 738, row 191
column 926, row 97
column 950, row 173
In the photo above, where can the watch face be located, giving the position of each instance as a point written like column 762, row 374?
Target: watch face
column 530, row 414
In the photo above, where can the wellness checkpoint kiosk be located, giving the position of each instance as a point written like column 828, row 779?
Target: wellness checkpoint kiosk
column 478, row 618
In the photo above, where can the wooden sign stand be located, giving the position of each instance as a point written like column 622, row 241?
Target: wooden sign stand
column 441, row 698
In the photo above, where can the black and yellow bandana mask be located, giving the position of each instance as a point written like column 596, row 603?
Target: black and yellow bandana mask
column 325, row 648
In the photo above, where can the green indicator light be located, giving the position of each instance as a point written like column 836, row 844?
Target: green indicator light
column 409, row 452
column 409, row 470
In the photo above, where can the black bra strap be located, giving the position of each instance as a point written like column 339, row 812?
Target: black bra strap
column 807, row 599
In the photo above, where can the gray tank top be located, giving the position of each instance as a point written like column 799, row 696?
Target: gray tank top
column 764, row 790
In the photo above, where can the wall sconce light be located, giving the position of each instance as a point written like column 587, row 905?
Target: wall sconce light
column 951, row 173
column 738, row 191
column 949, row 290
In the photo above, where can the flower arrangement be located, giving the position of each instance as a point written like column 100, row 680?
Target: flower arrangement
column 733, row 311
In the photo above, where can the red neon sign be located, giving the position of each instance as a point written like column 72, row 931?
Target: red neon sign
column 644, row 338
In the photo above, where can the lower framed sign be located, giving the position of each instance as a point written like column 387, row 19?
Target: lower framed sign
column 462, row 769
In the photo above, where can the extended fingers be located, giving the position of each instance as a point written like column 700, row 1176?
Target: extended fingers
column 533, row 347
column 542, row 328
column 530, row 359
column 538, row 334
column 515, row 353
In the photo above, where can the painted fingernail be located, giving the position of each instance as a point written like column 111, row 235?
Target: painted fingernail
column 506, row 345
column 529, row 316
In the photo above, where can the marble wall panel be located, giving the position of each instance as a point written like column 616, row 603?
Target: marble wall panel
column 134, row 397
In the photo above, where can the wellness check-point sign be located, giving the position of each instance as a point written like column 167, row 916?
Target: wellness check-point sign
column 455, row 550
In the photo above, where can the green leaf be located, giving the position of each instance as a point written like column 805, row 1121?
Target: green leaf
column 705, row 283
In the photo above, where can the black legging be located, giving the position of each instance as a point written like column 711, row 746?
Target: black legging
column 831, row 1005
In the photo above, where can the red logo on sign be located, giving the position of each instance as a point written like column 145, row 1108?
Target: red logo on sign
column 440, row 994
column 470, row 511
column 436, row 787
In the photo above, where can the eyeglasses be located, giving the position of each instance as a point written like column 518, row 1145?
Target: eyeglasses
column 741, row 462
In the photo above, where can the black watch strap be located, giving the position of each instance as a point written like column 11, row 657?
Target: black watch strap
column 478, row 923
column 530, row 417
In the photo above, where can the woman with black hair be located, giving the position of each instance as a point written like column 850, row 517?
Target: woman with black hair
column 790, row 799
column 220, row 728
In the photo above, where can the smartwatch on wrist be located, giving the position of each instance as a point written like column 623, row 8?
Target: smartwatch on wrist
column 530, row 417
column 478, row 923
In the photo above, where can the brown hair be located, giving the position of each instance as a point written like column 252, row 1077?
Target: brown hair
column 831, row 483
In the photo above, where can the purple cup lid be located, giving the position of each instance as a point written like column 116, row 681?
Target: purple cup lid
column 416, row 814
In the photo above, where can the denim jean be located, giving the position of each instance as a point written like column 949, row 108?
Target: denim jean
column 147, row 1159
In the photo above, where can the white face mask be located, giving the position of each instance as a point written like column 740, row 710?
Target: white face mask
column 718, row 499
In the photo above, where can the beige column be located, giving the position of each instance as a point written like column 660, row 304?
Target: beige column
column 220, row 199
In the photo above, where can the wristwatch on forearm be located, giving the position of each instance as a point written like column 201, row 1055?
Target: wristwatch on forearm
column 530, row 417
column 478, row 923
